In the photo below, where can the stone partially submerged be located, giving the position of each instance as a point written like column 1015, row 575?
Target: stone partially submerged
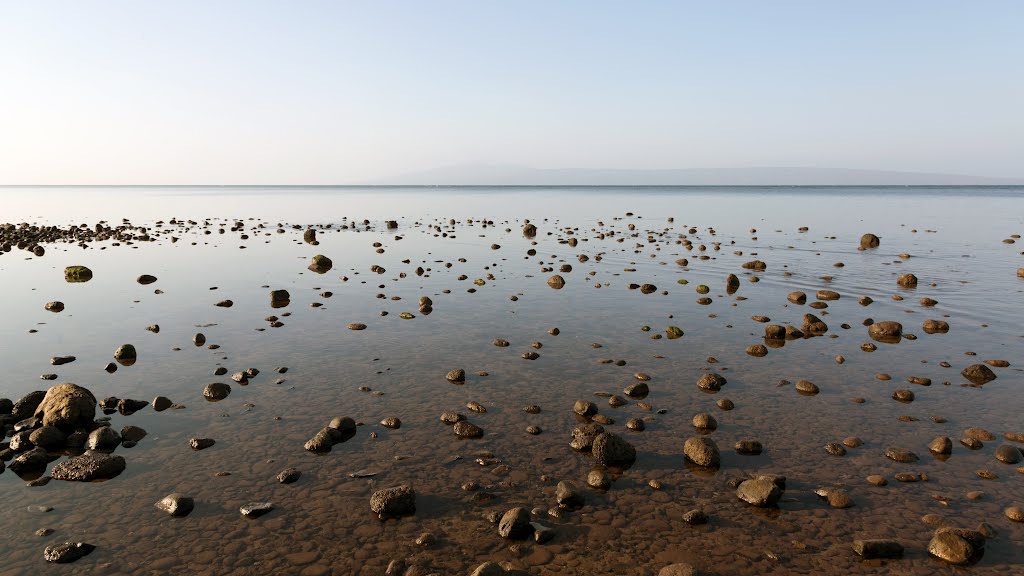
column 67, row 406
column 394, row 502
column 89, row 467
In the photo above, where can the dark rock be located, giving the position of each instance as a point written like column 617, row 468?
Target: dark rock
column 103, row 438
column 878, row 549
column 1005, row 453
column 67, row 552
column 584, row 408
column 457, row 375
column 125, row 355
column 611, row 450
column 28, row 405
column 146, row 279
column 49, row 437
column 161, row 403
column 466, row 429
column 695, row 517
column 216, row 391
column 397, row 501
column 711, row 381
column 75, row 274
column 869, row 241
column 88, row 467
column 900, row 455
column 256, row 509
column 907, row 280
column 978, row 374
column 583, row 436
column 34, row 459
column 941, row 445
column 132, row 434
column 515, row 524
column 127, row 406
column 289, row 475
column 201, row 443
column 568, row 496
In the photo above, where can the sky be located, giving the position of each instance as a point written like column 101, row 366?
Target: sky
column 334, row 92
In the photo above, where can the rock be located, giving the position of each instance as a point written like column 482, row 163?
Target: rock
column 583, row 436
column 256, row 509
column 216, row 391
column 941, row 445
column 887, row 332
column 704, row 421
column 515, row 524
column 320, row 264
column 903, row 395
column 67, row 552
column 225, row 304
column 978, row 374
column 343, row 424
column 678, row 569
column 636, row 424
column 34, row 459
column 89, row 467
column 702, row 451
column 127, row 406
column 584, row 408
column 125, row 355
column 611, row 450
column 568, row 496
column 839, row 499
column 27, row 405
column 323, row 441
column 673, row 332
column 391, row 422
column 199, row 339
column 466, row 429
column 146, row 279
column 54, row 306
column 711, row 382
column 599, row 480
column 1005, row 453
column 935, row 326
column 798, row 298
column 760, row 492
column 75, row 274
column 457, row 375
column 748, row 447
column 878, row 548
column 869, row 241
column 49, row 437
column 289, row 476
column 828, row 295
column 176, row 505
column 637, row 390
column 161, row 403
column 958, row 546
column 900, row 455
column 695, row 517
column 775, row 332
column 309, row 236
column 392, row 502
column 103, row 438
column 201, row 443
column 907, row 280
column 806, row 388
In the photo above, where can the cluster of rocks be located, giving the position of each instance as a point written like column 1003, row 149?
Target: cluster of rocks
column 337, row 431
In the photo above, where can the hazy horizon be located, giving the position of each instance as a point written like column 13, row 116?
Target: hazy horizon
column 318, row 92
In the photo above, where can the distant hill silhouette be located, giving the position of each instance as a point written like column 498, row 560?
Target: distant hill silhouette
column 501, row 174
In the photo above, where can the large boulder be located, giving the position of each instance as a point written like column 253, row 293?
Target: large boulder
column 88, row 467
column 515, row 524
column 67, row 406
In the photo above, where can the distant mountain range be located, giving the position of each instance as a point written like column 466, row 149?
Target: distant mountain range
column 511, row 175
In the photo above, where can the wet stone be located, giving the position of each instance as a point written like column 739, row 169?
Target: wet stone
column 879, row 548
column 900, row 455
column 256, row 509
column 289, row 476
column 702, row 451
column 759, row 492
column 67, row 552
column 176, row 505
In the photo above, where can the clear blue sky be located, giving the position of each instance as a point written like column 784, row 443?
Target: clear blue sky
column 334, row 92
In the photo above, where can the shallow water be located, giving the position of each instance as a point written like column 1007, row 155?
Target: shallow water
column 322, row 523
